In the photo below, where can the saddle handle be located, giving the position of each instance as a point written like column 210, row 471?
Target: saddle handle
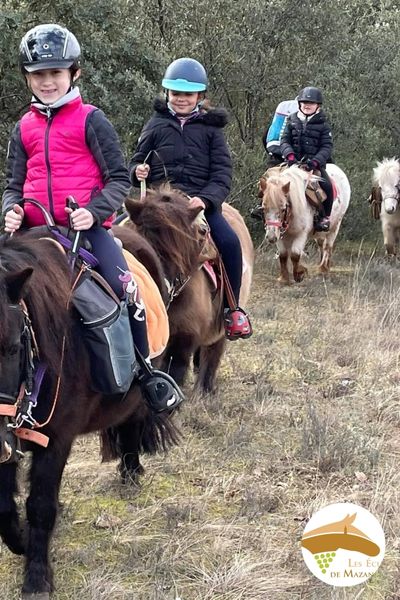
column 76, row 243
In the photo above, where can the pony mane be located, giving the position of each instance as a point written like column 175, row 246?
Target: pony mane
column 387, row 172
column 166, row 221
column 45, row 293
column 297, row 178
column 275, row 196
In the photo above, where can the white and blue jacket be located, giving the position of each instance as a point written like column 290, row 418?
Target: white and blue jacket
column 272, row 139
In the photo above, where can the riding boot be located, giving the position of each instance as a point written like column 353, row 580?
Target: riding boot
column 237, row 324
column 323, row 221
column 158, row 388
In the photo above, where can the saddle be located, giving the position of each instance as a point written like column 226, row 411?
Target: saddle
column 156, row 313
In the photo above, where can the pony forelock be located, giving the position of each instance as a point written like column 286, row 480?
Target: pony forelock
column 387, row 172
column 297, row 178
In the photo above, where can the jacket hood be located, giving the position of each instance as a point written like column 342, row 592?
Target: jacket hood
column 218, row 117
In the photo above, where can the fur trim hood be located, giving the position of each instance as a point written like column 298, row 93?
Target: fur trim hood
column 217, row 117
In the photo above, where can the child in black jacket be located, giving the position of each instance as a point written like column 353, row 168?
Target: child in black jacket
column 184, row 143
column 308, row 138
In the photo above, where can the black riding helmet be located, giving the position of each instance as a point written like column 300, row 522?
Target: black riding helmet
column 310, row 94
column 49, row 46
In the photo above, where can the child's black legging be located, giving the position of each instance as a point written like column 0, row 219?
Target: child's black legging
column 229, row 247
column 112, row 264
column 326, row 185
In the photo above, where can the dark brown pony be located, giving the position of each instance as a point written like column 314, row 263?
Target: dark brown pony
column 196, row 310
column 36, row 272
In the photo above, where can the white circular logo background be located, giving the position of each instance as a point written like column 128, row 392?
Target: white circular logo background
column 343, row 544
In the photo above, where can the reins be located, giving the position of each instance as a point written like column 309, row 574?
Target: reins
column 143, row 181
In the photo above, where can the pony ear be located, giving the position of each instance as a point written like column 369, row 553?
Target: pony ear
column 193, row 212
column 134, row 208
column 15, row 283
column 262, row 184
column 286, row 187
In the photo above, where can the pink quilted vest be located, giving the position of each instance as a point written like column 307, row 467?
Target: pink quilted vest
column 59, row 162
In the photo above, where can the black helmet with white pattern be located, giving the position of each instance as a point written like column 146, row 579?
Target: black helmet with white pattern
column 49, row 46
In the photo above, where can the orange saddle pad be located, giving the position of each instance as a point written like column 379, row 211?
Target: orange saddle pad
column 157, row 318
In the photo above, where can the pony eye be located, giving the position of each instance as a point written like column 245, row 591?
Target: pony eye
column 12, row 350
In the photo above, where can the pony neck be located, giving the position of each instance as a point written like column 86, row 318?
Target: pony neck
column 298, row 183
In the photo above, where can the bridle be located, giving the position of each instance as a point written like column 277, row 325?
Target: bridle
column 177, row 285
column 29, row 352
column 396, row 197
column 283, row 223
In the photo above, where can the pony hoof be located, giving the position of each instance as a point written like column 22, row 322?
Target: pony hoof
column 283, row 280
column 40, row 596
column 131, row 476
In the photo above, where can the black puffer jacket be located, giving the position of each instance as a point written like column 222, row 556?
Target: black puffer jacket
column 311, row 138
column 195, row 158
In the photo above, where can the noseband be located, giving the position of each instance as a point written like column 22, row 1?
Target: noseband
column 396, row 197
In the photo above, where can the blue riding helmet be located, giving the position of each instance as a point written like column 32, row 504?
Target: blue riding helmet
column 185, row 75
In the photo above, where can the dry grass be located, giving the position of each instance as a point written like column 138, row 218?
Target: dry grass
column 307, row 413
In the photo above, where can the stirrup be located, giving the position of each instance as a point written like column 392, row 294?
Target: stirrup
column 160, row 390
column 322, row 224
column 237, row 324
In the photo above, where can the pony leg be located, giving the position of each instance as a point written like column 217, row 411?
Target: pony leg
column 299, row 270
column 210, row 358
column 10, row 531
column 327, row 250
column 177, row 356
column 196, row 361
column 123, row 442
column 320, row 243
column 41, row 509
column 325, row 247
column 389, row 240
column 284, row 276
column 129, row 436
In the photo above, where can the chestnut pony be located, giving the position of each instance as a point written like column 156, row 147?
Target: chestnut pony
column 196, row 309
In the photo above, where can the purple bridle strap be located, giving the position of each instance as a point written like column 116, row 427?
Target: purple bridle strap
column 40, row 371
column 85, row 255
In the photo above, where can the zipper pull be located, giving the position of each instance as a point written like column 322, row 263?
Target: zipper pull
column 48, row 112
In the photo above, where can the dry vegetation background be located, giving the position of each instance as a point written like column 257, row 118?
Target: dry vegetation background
column 307, row 413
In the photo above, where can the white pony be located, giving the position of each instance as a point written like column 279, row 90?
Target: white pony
column 387, row 178
column 289, row 218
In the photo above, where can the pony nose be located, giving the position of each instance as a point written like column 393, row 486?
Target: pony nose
column 271, row 235
column 389, row 210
